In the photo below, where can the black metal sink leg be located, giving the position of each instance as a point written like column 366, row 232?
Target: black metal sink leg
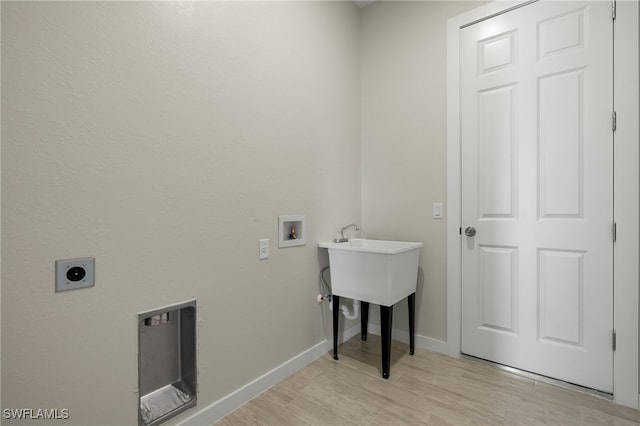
column 335, row 300
column 386, row 318
column 412, row 322
column 364, row 319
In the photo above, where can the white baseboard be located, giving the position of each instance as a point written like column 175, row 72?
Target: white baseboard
column 216, row 411
column 346, row 335
column 424, row 342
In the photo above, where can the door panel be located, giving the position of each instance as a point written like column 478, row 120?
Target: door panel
column 497, row 163
column 560, row 144
column 537, row 185
column 498, row 289
column 560, row 295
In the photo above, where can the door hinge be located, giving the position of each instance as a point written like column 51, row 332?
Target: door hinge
column 614, row 121
column 613, row 340
column 614, row 231
column 613, row 10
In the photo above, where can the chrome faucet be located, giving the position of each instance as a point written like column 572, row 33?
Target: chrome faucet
column 344, row 239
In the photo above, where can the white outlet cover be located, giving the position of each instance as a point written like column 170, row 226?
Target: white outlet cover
column 263, row 248
column 72, row 274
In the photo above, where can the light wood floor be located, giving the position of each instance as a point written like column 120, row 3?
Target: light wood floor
column 425, row 389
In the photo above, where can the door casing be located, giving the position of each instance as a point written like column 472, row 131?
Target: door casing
column 626, row 190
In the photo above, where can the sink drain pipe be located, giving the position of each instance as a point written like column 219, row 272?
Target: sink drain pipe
column 327, row 296
column 345, row 310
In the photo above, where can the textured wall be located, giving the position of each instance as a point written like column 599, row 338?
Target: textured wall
column 404, row 144
column 165, row 138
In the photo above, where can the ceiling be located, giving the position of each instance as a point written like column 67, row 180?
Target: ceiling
column 363, row 3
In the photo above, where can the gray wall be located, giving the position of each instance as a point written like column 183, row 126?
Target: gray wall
column 404, row 141
column 165, row 138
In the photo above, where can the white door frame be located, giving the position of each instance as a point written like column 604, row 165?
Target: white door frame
column 626, row 189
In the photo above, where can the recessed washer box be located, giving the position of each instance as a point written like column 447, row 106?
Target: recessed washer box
column 292, row 230
column 72, row 274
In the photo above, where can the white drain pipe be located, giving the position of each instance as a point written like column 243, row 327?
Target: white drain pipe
column 356, row 310
column 345, row 310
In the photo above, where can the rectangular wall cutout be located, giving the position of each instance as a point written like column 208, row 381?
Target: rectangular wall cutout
column 166, row 362
column 292, row 230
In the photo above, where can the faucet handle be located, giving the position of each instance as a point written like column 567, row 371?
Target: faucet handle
column 338, row 238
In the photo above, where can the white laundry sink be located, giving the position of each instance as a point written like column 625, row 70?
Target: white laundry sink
column 374, row 271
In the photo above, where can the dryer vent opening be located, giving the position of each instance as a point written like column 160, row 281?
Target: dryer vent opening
column 166, row 362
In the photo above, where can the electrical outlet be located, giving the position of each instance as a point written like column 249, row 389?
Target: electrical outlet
column 75, row 273
column 263, row 248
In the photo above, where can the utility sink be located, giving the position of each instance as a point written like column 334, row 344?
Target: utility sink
column 379, row 272
column 374, row 271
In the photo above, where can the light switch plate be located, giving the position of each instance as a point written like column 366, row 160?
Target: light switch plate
column 75, row 273
column 437, row 211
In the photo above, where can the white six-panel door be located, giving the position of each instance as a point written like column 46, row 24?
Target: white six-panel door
column 537, row 187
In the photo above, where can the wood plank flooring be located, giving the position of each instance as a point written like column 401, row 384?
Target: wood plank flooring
column 424, row 389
